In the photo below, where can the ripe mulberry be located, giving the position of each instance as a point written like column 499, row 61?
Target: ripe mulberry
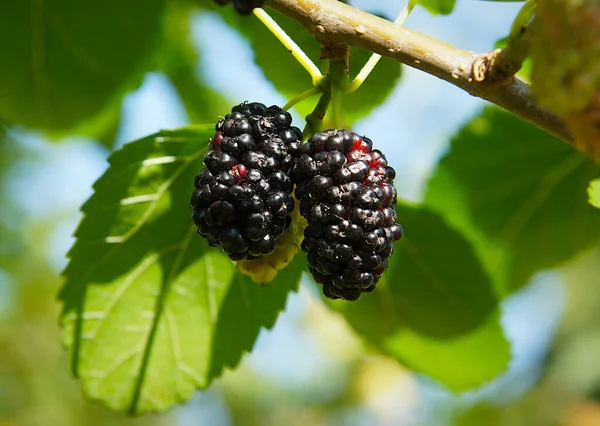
column 346, row 193
column 243, row 7
column 264, row 269
column 242, row 201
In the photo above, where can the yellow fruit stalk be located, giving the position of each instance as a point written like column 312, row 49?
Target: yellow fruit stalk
column 265, row 268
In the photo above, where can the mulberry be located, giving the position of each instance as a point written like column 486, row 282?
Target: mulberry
column 347, row 196
column 242, row 201
column 264, row 269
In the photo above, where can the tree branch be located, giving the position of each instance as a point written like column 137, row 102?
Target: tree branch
column 334, row 22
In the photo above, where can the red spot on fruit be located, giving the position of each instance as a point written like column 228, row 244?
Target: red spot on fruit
column 376, row 160
column 239, row 171
column 215, row 143
column 360, row 144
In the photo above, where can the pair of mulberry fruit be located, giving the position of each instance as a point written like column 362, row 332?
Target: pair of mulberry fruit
column 243, row 200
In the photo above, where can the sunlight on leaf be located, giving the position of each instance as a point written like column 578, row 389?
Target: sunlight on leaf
column 461, row 364
column 150, row 311
column 594, row 193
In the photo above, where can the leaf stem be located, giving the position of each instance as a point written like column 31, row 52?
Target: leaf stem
column 338, row 74
column 302, row 96
column 510, row 59
column 374, row 59
column 290, row 45
column 314, row 120
column 336, row 103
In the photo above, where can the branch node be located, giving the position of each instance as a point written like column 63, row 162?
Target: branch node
column 482, row 66
column 490, row 68
column 337, row 23
column 335, row 52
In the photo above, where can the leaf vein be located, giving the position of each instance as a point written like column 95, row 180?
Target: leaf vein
column 128, row 282
column 546, row 187
column 119, row 361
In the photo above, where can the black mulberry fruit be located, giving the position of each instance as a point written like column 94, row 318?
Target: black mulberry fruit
column 264, row 269
column 243, row 7
column 243, row 198
column 346, row 193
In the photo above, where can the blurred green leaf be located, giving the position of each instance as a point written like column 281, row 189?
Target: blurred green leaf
column 64, row 61
column 178, row 58
column 594, row 193
column 461, row 364
column 518, row 194
column 436, row 282
column 104, row 128
column 290, row 79
column 482, row 414
column 12, row 243
column 435, row 309
column 436, row 7
column 150, row 311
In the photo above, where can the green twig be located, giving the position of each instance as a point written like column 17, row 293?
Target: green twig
column 336, row 103
column 290, row 45
column 314, row 120
column 338, row 73
column 302, row 96
column 510, row 59
column 336, row 21
column 374, row 59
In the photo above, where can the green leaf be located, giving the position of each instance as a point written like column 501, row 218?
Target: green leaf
column 594, row 193
column 518, row 194
column 64, row 61
column 437, row 284
column 434, row 310
column 150, row 311
column 461, row 364
column 290, row 79
column 437, row 7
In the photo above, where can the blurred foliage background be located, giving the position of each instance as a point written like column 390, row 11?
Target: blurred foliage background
column 153, row 64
